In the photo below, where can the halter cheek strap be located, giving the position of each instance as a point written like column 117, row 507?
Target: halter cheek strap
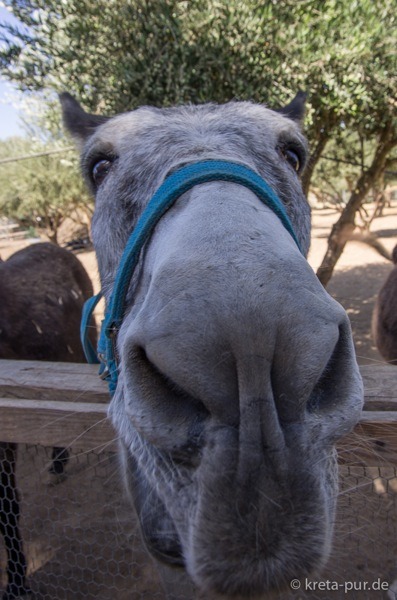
column 88, row 309
column 171, row 189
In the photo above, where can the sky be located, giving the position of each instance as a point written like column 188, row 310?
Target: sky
column 10, row 123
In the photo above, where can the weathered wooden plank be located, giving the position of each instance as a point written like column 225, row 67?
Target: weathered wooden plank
column 63, row 403
column 84, row 426
column 383, row 418
column 80, row 425
column 80, row 382
column 66, row 382
column 380, row 386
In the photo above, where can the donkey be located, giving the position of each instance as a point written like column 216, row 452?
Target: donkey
column 232, row 370
column 42, row 291
column 384, row 318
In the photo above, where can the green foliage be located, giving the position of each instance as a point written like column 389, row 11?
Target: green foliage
column 40, row 192
column 347, row 157
column 118, row 54
column 114, row 55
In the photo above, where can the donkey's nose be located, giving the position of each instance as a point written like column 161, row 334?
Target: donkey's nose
column 209, row 361
column 319, row 382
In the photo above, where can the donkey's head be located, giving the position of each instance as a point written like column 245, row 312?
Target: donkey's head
column 236, row 370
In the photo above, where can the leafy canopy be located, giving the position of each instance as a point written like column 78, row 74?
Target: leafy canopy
column 117, row 54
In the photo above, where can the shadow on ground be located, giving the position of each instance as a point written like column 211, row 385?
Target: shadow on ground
column 386, row 233
column 356, row 289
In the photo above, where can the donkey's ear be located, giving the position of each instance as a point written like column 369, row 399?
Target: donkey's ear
column 80, row 125
column 295, row 110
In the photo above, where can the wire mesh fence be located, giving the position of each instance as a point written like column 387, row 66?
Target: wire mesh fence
column 363, row 564
column 81, row 540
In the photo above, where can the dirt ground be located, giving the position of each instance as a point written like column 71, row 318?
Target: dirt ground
column 358, row 276
column 80, row 537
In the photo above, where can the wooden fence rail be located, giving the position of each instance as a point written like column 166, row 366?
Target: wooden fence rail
column 65, row 404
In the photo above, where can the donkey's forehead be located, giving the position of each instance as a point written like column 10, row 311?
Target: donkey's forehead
column 194, row 122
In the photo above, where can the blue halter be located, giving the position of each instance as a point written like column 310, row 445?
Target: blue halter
column 170, row 190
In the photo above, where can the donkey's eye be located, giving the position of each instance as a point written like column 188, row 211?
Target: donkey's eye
column 99, row 170
column 293, row 158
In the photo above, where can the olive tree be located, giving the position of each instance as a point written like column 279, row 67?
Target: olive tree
column 118, row 54
column 41, row 191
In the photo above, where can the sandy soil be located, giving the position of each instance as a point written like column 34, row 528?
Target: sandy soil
column 81, row 539
column 358, row 276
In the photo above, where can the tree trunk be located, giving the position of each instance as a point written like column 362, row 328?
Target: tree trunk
column 52, row 225
column 52, row 236
column 344, row 226
column 322, row 134
column 312, row 162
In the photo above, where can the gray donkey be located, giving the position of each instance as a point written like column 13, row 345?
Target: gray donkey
column 233, row 370
column 384, row 318
column 42, row 291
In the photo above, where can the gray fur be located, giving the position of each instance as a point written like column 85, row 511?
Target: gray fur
column 384, row 318
column 237, row 369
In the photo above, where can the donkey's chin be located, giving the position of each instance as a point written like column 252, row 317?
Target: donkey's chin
column 230, row 545
column 250, row 575
column 255, row 572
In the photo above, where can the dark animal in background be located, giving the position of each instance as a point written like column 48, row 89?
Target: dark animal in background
column 384, row 320
column 42, row 292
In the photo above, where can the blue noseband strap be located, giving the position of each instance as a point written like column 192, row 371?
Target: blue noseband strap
column 88, row 309
column 171, row 189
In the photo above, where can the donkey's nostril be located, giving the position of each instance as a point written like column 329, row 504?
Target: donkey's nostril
column 144, row 366
column 329, row 391
column 164, row 413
